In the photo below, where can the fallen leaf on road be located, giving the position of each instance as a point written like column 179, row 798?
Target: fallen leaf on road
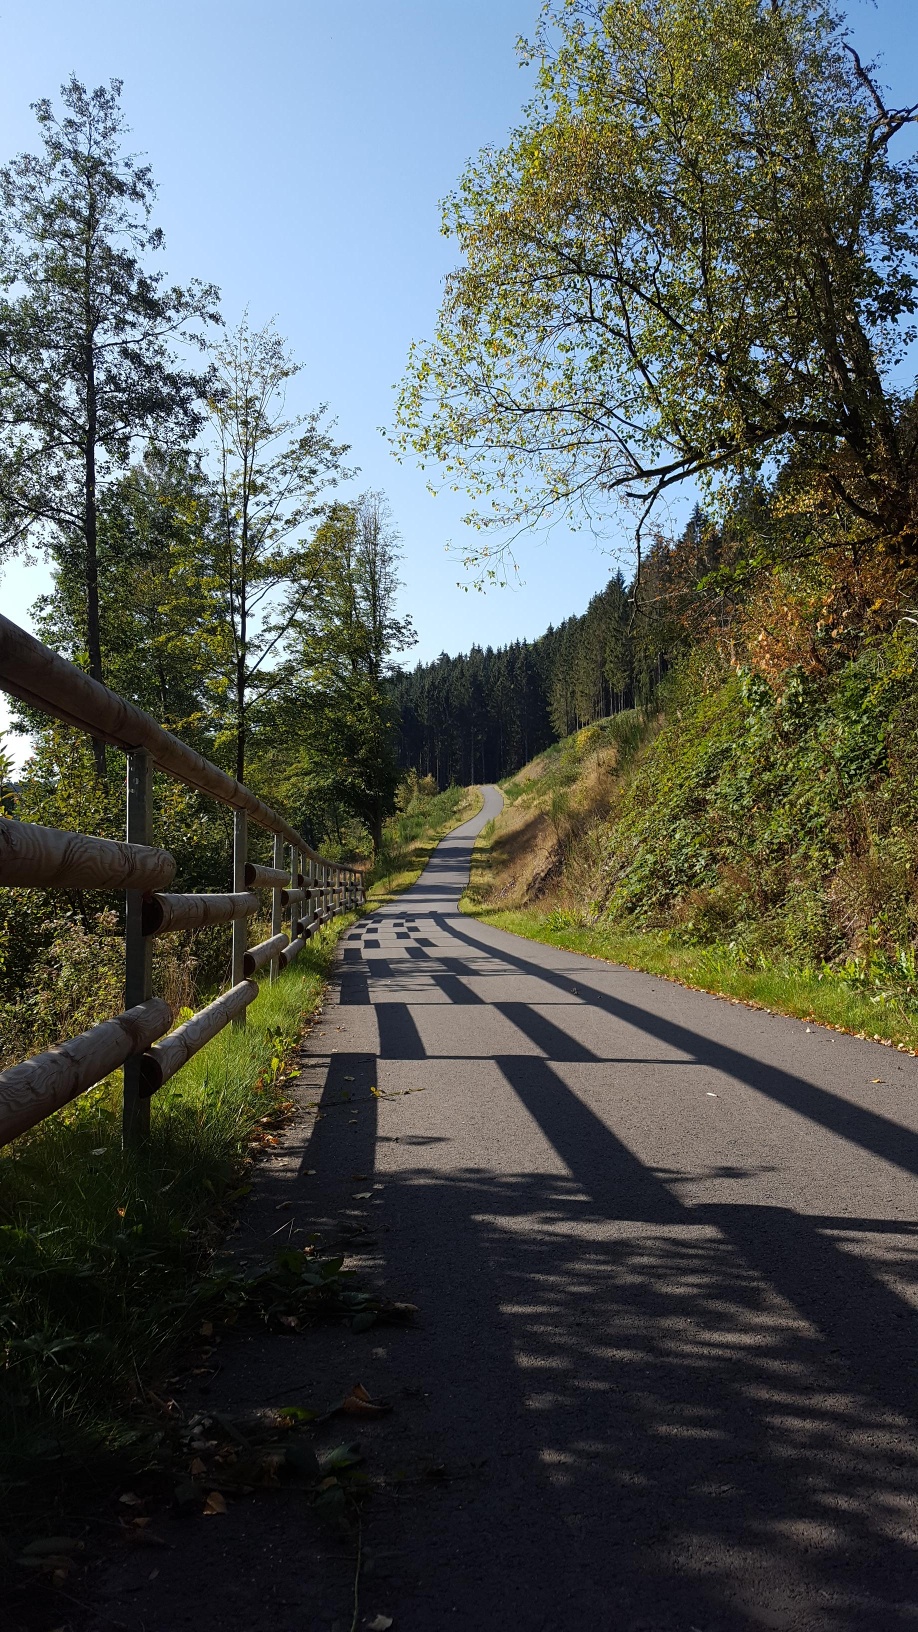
column 358, row 1403
column 215, row 1503
column 380, row 1623
column 342, row 1456
column 197, row 1466
column 129, row 1499
column 362, row 1195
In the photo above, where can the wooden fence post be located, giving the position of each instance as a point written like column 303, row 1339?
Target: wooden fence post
column 240, row 925
column 138, row 948
column 277, row 911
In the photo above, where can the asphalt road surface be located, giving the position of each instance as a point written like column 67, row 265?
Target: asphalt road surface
column 663, row 1374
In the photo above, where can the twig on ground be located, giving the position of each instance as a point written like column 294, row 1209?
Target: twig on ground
column 357, row 1575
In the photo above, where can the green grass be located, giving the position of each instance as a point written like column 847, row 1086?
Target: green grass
column 101, row 1252
column 822, row 996
column 411, row 837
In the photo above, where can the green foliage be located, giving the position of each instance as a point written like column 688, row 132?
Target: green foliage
column 100, row 1252
column 270, row 470
column 780, row 820
column 87, row 333
column 695, row 257
column 482, row 715
column 333, row 745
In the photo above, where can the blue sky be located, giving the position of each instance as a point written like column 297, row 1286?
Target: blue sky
column 301, row 150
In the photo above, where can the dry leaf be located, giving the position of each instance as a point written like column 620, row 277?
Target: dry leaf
column 379, row 1623
column 197, row 1467
column 206, row 1328
column 215, row 1503
column 359, row 1404
column 130, row 1500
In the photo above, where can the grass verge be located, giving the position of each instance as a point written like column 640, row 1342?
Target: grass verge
column 101, row 1251
column 821, row 996
column 411, row 837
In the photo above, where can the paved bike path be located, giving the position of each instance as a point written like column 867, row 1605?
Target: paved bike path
column 664, row 1251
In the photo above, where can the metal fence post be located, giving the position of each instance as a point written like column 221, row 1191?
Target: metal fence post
column 240, row 925
column 277, row 911
column 138, row 948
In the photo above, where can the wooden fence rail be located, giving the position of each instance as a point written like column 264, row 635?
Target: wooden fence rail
column 139, row 1040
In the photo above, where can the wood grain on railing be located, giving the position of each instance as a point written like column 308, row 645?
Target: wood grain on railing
column 31, row 1091
column 49, row 858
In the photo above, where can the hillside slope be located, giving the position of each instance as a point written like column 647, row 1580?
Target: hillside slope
column 757, row 841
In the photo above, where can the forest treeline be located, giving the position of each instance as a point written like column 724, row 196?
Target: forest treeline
column 478, row 717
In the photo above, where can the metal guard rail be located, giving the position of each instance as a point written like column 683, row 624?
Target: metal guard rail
column 139, row 1040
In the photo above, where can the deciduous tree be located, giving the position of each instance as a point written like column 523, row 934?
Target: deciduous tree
column 695, row 258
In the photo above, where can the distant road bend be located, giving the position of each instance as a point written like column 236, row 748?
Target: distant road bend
column 665, row 1254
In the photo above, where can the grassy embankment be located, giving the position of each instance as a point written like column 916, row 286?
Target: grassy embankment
column 758, row 846
column 101, row 1253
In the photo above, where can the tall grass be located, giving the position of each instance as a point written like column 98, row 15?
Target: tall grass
column 101, row 1251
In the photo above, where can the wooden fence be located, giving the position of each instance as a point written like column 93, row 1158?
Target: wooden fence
column 302, row 884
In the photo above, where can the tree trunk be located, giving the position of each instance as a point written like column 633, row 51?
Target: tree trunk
column 240, row 719
column 376, row 831
column 91, row 536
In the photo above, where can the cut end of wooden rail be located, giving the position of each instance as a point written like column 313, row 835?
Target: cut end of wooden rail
column 264, row 878
column 174, row 1051
column 257, row 956
column 167, row 914
column 31, row 1091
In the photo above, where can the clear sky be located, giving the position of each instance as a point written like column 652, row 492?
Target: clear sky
column 301, row 150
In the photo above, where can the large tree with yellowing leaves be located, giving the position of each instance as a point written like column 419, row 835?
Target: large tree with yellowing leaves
column 694, row 259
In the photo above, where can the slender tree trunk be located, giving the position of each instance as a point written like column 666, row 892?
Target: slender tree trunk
column 242, row 659
column 240, row 718
column 376, row 831
column 91, row 536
